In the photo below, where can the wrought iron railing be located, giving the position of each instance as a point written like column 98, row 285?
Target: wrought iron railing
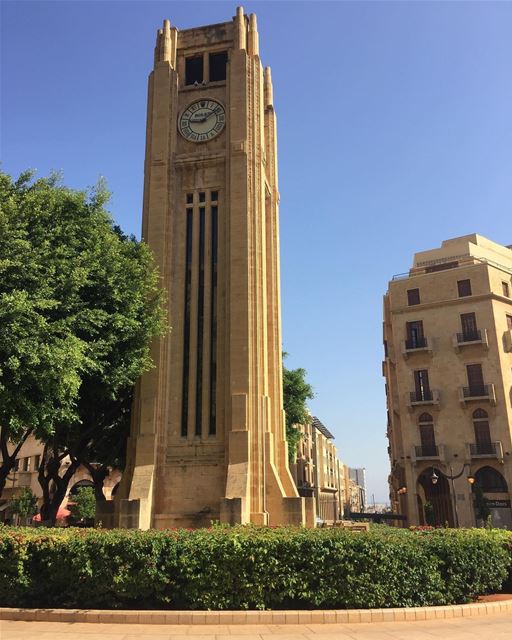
column 469, row 336
column 476, row 391
column 416, row 343
column 425, row 395
column 484, row 448
column 427, row 451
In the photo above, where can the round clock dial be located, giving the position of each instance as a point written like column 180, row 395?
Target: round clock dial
column 202, row 120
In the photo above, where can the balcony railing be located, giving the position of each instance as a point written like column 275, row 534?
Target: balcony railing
column 425, row 396
column 421, row 396
column 469, row 336
column 427, row 451
column 478, row 392
column 476, row 336
column 415, row 345
column 485, row 449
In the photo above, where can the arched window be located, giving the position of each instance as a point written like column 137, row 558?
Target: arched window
column 490, row 481
column 483, row 442
column 427, row 435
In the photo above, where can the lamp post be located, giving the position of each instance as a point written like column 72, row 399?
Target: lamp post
column 434, row 478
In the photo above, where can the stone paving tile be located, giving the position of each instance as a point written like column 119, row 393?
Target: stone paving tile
column 248, row 629
column 496, row 627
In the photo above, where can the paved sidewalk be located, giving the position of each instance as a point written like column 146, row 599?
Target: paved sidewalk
column 495, row 627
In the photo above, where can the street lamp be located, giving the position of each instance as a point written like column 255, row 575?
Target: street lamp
column 471, row 479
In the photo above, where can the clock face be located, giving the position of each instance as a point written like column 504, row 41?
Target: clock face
column 202, row 120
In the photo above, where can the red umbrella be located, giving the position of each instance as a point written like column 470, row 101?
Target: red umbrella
column 61, row 514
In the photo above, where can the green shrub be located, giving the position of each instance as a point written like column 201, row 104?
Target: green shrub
column 249, row 567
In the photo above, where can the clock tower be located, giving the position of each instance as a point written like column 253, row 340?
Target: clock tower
column 208, row 432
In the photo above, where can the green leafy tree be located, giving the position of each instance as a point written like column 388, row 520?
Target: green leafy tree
column 430, row 516
column 79, row 305
column 84, row 504
column 481, row 504
column 296, row 392
column 25, row 505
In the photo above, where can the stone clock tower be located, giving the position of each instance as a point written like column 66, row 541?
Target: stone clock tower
column 208, row 433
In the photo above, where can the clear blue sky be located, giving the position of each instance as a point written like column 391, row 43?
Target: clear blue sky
column 395, row 132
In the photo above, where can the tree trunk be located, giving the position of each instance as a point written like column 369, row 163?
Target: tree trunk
column 54, row 485
column 98, row 475
column 4, row 472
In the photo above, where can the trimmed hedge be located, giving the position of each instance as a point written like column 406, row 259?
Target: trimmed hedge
column 249, row 568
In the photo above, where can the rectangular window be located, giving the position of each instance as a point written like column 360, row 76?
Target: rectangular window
column 413, row 296
column 415, row 337
column 16, row 465
column 506, row 289
column 37, row 462
column 464, row 288
column 190, row 198
column 422, row 386
column 469, row 328
column 202, row 196
column 194, row 69
column 218, row 62
column 26, row 464
column 509, row 322
column 475, row 380
column 214, row 195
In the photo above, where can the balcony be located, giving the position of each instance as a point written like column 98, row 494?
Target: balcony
column 416, row 345
column 424, row 397
column 477, row 393
column 428, row 452
column 485, row 450
column 468, row 338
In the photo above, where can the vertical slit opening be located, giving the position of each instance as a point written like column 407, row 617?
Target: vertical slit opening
column 186, row 325
column 200, row 323
column 212, row 429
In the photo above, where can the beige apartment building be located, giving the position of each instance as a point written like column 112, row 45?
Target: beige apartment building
column 320, row 474
column 448, row 370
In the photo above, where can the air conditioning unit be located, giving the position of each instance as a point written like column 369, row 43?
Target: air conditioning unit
column 507, row 339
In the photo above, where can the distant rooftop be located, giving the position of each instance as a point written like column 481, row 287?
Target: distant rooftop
column 458, row 252
column 322, row 428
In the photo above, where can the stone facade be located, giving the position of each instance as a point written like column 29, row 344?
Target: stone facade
column 448, row 369
column 208, row 434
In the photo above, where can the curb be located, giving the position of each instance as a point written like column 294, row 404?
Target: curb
column 341, row 616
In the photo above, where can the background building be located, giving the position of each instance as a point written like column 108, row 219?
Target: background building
column 359, row 477
column 320, row 474
column 448, row 369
